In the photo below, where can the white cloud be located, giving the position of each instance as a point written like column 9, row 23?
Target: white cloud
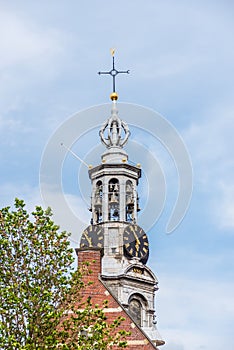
column 22, row 42
column 11, row 125
column 225, row 206
column 195, row 314
column 210, row 138
column 80, row 210
column 73, row 217
column 186, row 40
column 168, row 65
column 69, row 211
column 10, row 191
column 193, row 340
column 31, row 54
column 211, row 143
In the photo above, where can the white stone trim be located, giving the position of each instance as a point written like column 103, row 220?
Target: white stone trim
column 138, row 342
column 112, row 309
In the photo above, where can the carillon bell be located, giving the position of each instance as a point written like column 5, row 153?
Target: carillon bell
column 98, row 202
column 129, row 201
column 113, row 199
column 116, row 213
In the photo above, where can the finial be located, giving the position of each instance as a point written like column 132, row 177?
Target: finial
column 113, row 72
column 114, row 96
column 114, row 132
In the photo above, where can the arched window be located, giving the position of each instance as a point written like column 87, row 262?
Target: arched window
column 135, row 310
column 98, row 191
column 129, row 201
column 98, row 201
column 113, row 198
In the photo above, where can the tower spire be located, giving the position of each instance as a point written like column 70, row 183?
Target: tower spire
column 124, row 245
column 114, row 133
column 114, row 72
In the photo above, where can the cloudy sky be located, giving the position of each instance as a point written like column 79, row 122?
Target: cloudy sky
column 181, row 58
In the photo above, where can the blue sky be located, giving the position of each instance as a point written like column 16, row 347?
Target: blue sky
column 181, row 59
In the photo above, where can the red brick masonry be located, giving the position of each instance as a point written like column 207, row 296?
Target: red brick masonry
column 99, row 292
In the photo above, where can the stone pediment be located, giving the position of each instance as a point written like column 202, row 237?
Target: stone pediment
column 140, row 272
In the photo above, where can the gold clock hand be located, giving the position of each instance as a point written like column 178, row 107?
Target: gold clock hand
column 135, row 235
column 137, row 239
column 88, row 239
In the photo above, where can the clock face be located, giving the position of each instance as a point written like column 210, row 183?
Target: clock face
column 136, row 243
column 92, row 237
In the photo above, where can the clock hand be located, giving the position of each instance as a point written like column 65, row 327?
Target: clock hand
column 88, row 239
column 137, row 239
column 135, row 235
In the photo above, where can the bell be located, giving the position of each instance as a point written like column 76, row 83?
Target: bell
column 98, row 202
column 129, row 188
column 129, row 200
column 116, row 213
column 129, row 209
column 113, row 199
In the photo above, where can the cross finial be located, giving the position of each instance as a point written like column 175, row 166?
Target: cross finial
column 114, row 72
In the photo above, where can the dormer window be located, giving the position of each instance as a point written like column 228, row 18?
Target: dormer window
column 135, row 310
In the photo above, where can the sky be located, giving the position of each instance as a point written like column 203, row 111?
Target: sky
column 181, row 60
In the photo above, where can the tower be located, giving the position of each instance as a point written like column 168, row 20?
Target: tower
column 114, row 228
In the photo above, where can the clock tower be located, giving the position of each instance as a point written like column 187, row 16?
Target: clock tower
column 114, row 228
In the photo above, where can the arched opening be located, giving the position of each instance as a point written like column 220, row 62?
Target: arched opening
column 137, row 307
column 135, row 310
column 98, row 201
column 129, row 201
column 113, row 199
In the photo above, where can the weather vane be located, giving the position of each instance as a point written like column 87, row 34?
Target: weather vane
column 113, row 72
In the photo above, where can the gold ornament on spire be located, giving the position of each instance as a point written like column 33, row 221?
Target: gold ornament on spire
column 114, row 96
column 112, row 52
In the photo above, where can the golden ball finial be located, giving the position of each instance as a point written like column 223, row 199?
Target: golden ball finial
column 114, row 96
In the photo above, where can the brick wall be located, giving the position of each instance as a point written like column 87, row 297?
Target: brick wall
column 99, row 292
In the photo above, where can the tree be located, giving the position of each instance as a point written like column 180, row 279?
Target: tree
column 38, row 288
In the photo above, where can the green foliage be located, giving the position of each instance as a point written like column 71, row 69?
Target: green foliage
column 40, row 298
